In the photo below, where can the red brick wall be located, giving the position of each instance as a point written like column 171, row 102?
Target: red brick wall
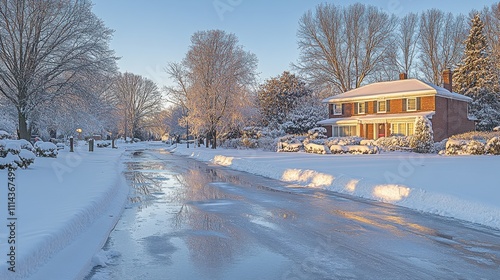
column 450, row 118
column 369, row 132
column 328, row 130
column 427, row 103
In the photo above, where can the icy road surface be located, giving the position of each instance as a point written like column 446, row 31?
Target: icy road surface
column 189, row 220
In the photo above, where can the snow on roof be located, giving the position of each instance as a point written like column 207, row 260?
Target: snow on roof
column 395, row 89
column 376, row 118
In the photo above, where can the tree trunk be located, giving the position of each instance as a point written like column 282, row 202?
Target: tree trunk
column 214, row 135
column 24, row 133
column 207, row 139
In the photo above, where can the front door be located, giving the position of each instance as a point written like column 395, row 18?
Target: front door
column 381, row 130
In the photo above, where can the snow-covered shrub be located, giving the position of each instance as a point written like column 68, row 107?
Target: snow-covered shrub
column 362, row 149
column 455, row 147
column 423, row 139
column 316, row 149
column 14, row 155
column 4, row 134
column 100, row 144
column 393, row 143
column 249, row 143
column 475, row 147
column 9, row 161
column 493, row 146
column 26, row 157
column 316, row 133
column 61, row 146
column 289, row 147
column 45, row 149
column 344, row 141
column 25, row 144
column 338, row 149
column 367, row 142
column 440, row 147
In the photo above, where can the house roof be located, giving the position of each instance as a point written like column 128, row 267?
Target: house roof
column 377, row 118
column 395, row 89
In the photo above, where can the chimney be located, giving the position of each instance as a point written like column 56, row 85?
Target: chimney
column 403, row 76
column 448, row 79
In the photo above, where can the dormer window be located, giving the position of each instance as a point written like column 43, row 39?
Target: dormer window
column 337, row 109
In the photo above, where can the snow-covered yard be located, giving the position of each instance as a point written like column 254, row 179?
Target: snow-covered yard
column 65, row 208
column 463, row 187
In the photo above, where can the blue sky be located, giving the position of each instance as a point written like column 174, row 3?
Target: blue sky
column 151, row 33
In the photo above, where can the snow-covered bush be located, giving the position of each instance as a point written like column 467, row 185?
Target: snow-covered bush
column 343, row 141
column 455, row 147
column 362, row 149
column 25, row 144
column 440, row 147
column 316, row 133
column 475, row 147
column 423, row 139
column 101, row 144
column 338, row 149
column 4, row 134
column 493, row 146
column 289, row 147
column 316, row 149
column 14, row 155
column 393, row 143
column 45, row 149
column 367, row 142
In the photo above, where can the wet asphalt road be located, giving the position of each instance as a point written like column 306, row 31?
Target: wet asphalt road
column 190, row 220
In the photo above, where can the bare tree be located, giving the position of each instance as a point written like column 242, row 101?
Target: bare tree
column 341, row 47
column 407, row 36
column 213, row 81
column 45, row 48
column 441, row 43
column 137, row 99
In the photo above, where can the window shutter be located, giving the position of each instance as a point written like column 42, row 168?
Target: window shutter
column 375, row 107
column 418, row 103
column 342, row 106
column 366, row 107
column 355, row 108
column 388, row 106
column 331, row 109
column 404, row 104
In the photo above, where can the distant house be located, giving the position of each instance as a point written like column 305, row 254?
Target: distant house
column 390, row 108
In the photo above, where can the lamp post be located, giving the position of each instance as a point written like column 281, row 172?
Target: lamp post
column 79, row 130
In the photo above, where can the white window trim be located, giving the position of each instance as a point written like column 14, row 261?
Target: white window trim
column 335, row 113
column 378, row 107
column 359, row 111
column 408, row 103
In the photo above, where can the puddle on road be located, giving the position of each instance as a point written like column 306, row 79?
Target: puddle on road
column 178, row 225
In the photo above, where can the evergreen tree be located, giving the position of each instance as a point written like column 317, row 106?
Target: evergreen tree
column 279, row 96
column 423, row 139
column 476, row 78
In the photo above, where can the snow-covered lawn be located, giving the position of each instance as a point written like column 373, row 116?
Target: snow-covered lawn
column 65, row 209
column 463, row 187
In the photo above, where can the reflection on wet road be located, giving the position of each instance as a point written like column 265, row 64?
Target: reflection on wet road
column 189, row 220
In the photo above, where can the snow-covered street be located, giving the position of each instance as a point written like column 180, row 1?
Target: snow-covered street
column 190, row 220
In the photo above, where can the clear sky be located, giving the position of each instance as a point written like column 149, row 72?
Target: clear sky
column 151, row 33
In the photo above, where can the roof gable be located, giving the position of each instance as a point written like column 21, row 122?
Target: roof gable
column 395, row 89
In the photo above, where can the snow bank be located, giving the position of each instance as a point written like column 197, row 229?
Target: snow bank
column 462, row 187
column 59, row 202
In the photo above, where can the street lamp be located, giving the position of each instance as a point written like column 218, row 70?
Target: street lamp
column 79, row 130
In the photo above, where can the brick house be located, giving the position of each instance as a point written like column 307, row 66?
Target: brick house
column 391, row 108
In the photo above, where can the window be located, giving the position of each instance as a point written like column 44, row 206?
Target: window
column 402, row 129
column 337, row 109
column 381, row 106
column 411, row 104
column 361, row 108
column 343, row 130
